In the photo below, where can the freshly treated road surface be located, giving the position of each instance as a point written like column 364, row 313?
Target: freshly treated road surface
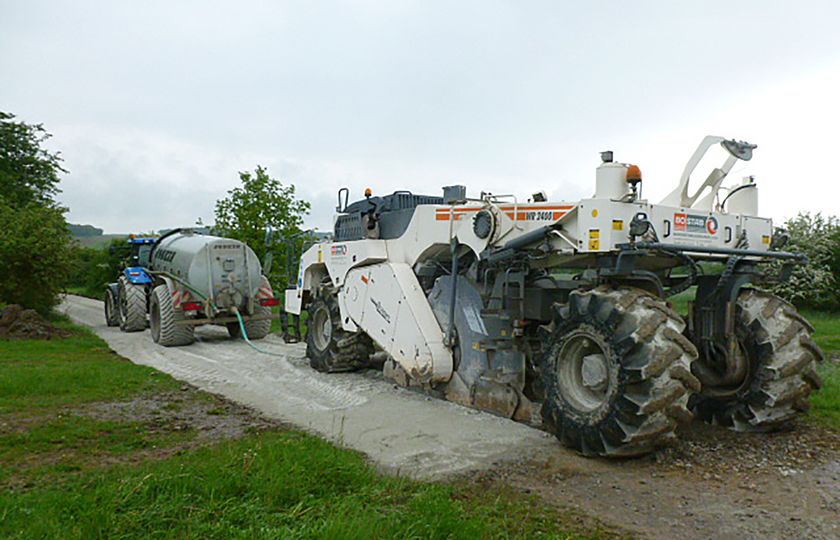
column 711, row 484
column 400, row 430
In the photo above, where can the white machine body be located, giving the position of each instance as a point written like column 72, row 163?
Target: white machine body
column 379, row 291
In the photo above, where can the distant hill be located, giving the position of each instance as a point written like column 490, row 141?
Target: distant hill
column 83, row 231
column 90, row 236
column 98, row 241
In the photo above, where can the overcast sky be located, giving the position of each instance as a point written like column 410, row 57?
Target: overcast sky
column 155, row 106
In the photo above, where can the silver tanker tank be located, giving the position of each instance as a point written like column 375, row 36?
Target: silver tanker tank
column 226, row 271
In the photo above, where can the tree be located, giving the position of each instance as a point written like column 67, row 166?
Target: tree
column 260, row 203
column 34, row 240
column 34, row 254
column 28, row 172
column 92, row 268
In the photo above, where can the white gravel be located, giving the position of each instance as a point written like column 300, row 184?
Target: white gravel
column 400, row 430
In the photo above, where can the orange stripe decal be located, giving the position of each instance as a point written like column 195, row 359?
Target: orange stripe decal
column 521, row 211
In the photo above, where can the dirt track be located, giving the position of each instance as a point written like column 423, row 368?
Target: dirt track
column 712, row 484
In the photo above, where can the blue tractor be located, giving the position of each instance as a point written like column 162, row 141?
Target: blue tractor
column 126, row 300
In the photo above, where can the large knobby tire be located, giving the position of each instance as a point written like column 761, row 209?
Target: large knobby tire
column 782, row 357
column 330, row 348
column 132, row 306
column 162, row 319
column 617, row 372
column 112, row 315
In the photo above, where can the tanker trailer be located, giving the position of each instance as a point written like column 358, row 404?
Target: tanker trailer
column 201, row 279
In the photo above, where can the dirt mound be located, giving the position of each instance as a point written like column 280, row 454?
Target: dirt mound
column 17, row 322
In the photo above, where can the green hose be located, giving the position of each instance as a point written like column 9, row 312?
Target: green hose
column 248, row 341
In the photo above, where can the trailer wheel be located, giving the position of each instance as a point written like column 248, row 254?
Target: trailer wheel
column 112, row 315
column 330, row 348
column 163, row 317
column 254, row 329
column 782, row 358
column 259, row 329
column 132, row 304
column 617, row 372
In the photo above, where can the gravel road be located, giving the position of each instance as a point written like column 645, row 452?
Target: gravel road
column 711, row 484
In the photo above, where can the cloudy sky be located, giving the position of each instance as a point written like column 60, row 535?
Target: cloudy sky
column 155, row 106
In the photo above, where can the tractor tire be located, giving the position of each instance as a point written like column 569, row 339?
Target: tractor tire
column 782, row 358
column 112, row 314
column 617, row 372
column 132, row 306
column 330, row 348
column 163, row 317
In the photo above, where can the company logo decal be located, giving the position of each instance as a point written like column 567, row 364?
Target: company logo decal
column 693, row 223
column 712, row 225
column 165, row 255
column 338, row 250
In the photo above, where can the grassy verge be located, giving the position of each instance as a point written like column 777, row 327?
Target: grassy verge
column 42, row 376
column 279, row 485
column 825, row 404
column 68, row 473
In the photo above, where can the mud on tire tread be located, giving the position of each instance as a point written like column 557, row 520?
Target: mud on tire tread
column 783, row 371
column 654, row 377
column 132, row 308
column 345, row 351
column 164, row 331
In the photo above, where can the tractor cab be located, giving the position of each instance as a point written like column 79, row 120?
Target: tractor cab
column 141, row 249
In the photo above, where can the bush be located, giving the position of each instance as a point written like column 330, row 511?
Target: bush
column 34, row 254
column 813, row 285
column 93, row 267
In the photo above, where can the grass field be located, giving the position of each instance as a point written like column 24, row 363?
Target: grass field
column 65, row 474
column 826, row 402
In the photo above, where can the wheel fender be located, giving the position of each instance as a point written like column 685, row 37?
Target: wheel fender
column 180, row 294
column 296, row 299
column 114, row 289
column 170, row 283
column 172, row 287
column 137, row 275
